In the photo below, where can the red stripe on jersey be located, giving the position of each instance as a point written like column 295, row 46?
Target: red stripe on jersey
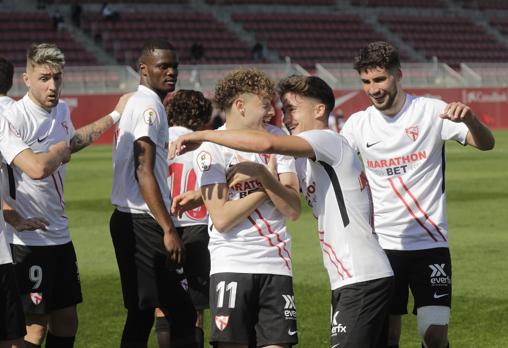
column 410, row 210
column 421, row 210
column 277, row 234
column 260, row 231
column 57, row 190
column 333, row 263
column 334, row 254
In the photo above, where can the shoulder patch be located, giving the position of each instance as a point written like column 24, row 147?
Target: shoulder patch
column 204, row 161
column 149, row 116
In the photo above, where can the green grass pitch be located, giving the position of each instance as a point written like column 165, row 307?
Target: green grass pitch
column 477, row 186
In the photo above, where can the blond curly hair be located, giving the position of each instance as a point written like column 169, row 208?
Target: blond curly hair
column 242, row 81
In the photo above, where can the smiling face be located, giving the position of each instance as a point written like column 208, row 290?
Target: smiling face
column 301, row 113
column 383, row 89
column 255, row 109
column 44, row 83
column 159, row 71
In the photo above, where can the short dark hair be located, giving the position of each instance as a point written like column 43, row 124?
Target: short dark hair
column 189, row 109
column 377, row 54
column 6, row 75
column 308, row 86
column 155, row 44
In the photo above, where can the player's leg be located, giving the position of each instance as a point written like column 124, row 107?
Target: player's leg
column 233, row 310
column 276, row 324
column 12, row 320
column 431, row 285
column 36, row 327
column 63, row 319
column 359, row 313
column 138, row 322
column 399, row 261
column 197, row 271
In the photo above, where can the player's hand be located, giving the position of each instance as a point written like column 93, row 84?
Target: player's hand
column 458, row 112
column 120, row 106
column 175, row 248
column 61, row 149
column 244, row 171
column 186, row 201
column 30, row 224
column 185, row 143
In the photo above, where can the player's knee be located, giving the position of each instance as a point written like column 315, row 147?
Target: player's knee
column 35, row 334
column 433, row 325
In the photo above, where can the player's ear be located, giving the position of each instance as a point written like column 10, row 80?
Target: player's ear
column 142, row 69
column 26, row 80
column 319, row 110
column 239, row 105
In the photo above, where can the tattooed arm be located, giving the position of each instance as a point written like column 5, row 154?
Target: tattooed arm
column 86, row 135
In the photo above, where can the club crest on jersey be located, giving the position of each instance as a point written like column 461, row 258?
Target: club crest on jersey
column 221, row 321
column 149, row 116
column 14, row 130
column 412, row 132
column 204, row 161
column 36, row 297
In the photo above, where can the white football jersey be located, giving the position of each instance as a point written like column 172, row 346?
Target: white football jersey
column 337, row 190
column 404, row 158
column 5, row 103
column 10, row 146
column 39, row 198
column 260, row 243
column 182, row 178
column 143, row 117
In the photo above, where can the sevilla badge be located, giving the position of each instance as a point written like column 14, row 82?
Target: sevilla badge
column 36, row 297
column 221, row 321
column 412, row 133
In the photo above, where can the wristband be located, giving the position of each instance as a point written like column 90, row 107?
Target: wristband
column 115, row 115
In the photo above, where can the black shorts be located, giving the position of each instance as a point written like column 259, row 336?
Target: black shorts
column 12, row 320
column 428, row 273
column 197, row 263
column 147, row 282
column 360, row 314
column 48, row 277
column 252, row 309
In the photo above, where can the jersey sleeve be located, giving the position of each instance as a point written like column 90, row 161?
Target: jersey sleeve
column 10, row 141
column 146, row 120
column 326, row 144
column 454, row 131
column 285, row 164
column 209, row 165
column 348, row 133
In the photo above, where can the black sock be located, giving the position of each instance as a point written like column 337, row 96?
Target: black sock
column 137, row 328
column 31, row 345
column 162, row 328
column 394, row 346
column 53, row 341
column 200, row 337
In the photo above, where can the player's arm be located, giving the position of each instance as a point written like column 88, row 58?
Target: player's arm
column 13, row 218
column 225, row 213
column 40, row 165
column 144, row 162
column 282, row 191
column 86, row 135
column 244, row 140
column 479, row 135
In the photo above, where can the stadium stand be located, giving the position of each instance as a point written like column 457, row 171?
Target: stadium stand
column 400, row 3
column 310, row 38
column 270, row 2
column 452, row 39
column 19, row 30
column 125, row 37
column 485, row 4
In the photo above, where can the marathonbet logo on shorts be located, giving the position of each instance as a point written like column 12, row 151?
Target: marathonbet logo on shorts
column 438, row 277
column 289, row 307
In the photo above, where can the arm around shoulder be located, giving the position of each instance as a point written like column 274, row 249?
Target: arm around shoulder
column 41, row 165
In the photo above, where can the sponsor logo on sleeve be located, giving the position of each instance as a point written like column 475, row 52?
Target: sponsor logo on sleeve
column 149, row 116
column 204, row 161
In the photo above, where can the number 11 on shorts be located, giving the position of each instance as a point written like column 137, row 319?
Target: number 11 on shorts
column 222, row 289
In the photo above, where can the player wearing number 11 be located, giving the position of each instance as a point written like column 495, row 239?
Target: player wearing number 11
column 335, row 187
